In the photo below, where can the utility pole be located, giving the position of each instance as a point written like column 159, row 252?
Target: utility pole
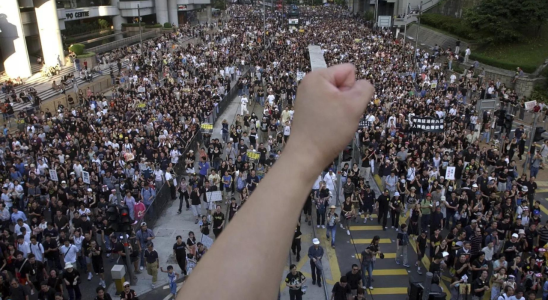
column 140, row 31
column 129, row 265
column 339, row 174
column 406, row 11
column 418, row 29
column 529, row 157
column 264, row 23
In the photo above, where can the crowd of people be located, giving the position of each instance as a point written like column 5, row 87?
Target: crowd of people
column 61, row 173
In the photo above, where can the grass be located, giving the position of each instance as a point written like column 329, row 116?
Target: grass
column 527, row 54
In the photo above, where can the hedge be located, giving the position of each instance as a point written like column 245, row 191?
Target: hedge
column 154, row 26
column 502, row 64
column 86, row 55
column 450, row 24
column 78, row 49
column 167, row 25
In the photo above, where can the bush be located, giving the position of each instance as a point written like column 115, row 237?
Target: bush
column 167, row 25
column 502, row 64
column 78, row 49
column 132, row 24
column 104, row 24
column 86, row 55
column 452, row 25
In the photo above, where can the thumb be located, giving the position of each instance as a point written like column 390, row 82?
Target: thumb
column 360, row 94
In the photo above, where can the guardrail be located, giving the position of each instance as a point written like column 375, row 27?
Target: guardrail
column 126, row 41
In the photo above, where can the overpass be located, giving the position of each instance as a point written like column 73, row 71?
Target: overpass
column 317, row 61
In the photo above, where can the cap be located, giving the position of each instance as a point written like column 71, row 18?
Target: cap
column 332, row 206
column 445, row 254
column 126, row 283
column 428, row 195
column 396, row 194
column 541, row 250
column 68, row 266
column 524, row 189
column 511, row 276
column 443, row 198
column 525, row 208
column 474, row 185
column 425, row 231
column 315, row 241
column 515, row 235
column 143, row 224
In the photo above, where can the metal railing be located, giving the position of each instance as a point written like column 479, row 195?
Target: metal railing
column 163, row 194
column 124, row 42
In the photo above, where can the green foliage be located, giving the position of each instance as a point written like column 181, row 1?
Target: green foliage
column 450, row 24
column 155, row 26
column 167, row 25
column 340, row 2
column 219, row 4
column 501, row 63
column 103, row 24
column 497, row 21
column 78, row 49
column 540, row 94
column 369, row 15
column 86, row 55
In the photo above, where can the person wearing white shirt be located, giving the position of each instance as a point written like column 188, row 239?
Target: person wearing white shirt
column 244, row 102
column 467, row 53
column 271, row 99
column 23, row 246
column 69, row 252
column 77, row 169
column 330, row 179
column 158, row 177
column 174, row 156
column 453, row 78
column 316, row 185
column 37, row 249
column 18, row 230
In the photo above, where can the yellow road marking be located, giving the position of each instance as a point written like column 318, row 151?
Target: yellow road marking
column 331, row 257
column 368, row 241
column 375, row 227
column 389, row 291
column 390, row 272
column 426, row 264
column 386, row 255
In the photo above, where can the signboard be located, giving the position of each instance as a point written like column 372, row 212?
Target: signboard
column 85, row 177
column 181, row 7
column 207, row 126
column 300, row 75
column 207, row 241
column 214, row 196
column 384, row 21
column 253, row 155
column 74, row 15
column 53, row 175
column 293, row 21
column 530, row 105
column 450, row 173
column 427, row 124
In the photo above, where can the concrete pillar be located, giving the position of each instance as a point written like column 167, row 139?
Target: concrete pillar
column 117, row 20
column 161, row 11
column 173, row 13
column 50, row 35
column 208, row 10
column 12, row 40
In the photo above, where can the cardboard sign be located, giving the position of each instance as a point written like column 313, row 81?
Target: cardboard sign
column 530, row 105
column 85, row 177
column 53, row 175
column 214, row 196
column 253, row 155
column 207, row 241
column 207, row 126
column 450, row 173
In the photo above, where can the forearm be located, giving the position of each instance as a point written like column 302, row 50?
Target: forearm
column 270, row 218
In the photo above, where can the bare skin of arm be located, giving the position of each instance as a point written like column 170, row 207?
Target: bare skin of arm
column 325, row 97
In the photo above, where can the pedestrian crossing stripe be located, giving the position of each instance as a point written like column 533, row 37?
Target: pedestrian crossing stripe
column 386, row 255
column 365, row 228
column 426, row 263
column 541, row 191
column 374, row 216
column 389, row 291
column 390, row 272
column 368, row 241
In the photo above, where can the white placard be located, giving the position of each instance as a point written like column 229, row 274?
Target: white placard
column 450, row 173
column 53, row 175
column 530, row 105
column 214, row 196
column 207, row 241
column 85, row 177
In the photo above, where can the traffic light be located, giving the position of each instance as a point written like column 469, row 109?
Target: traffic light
column 113, row 217
column 125, row 219
column 538, row 134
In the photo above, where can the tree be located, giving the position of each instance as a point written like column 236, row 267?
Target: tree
column 506, row 20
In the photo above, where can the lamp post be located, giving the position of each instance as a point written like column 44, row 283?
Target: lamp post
column 140, row 31
column 418, row 29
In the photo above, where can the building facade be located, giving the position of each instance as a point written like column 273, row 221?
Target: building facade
column 36, row 26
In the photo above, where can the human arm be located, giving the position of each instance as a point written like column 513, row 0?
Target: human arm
column 340, row 97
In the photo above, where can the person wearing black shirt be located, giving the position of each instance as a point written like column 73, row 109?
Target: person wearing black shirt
column 17, row 291
column 71, row 277
column 218, row 221
column 511, row 248
column 382, row 207
column 354, row 279
column 101, row 294
column 295, row 280
column 195, row 201
column 51, row 252
column 252, row 181
column 179, row 251
column 479, row 286
column 36, row 271
column 341, row 290
column 421, row 248
column 46, row 292
column 232, row 209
